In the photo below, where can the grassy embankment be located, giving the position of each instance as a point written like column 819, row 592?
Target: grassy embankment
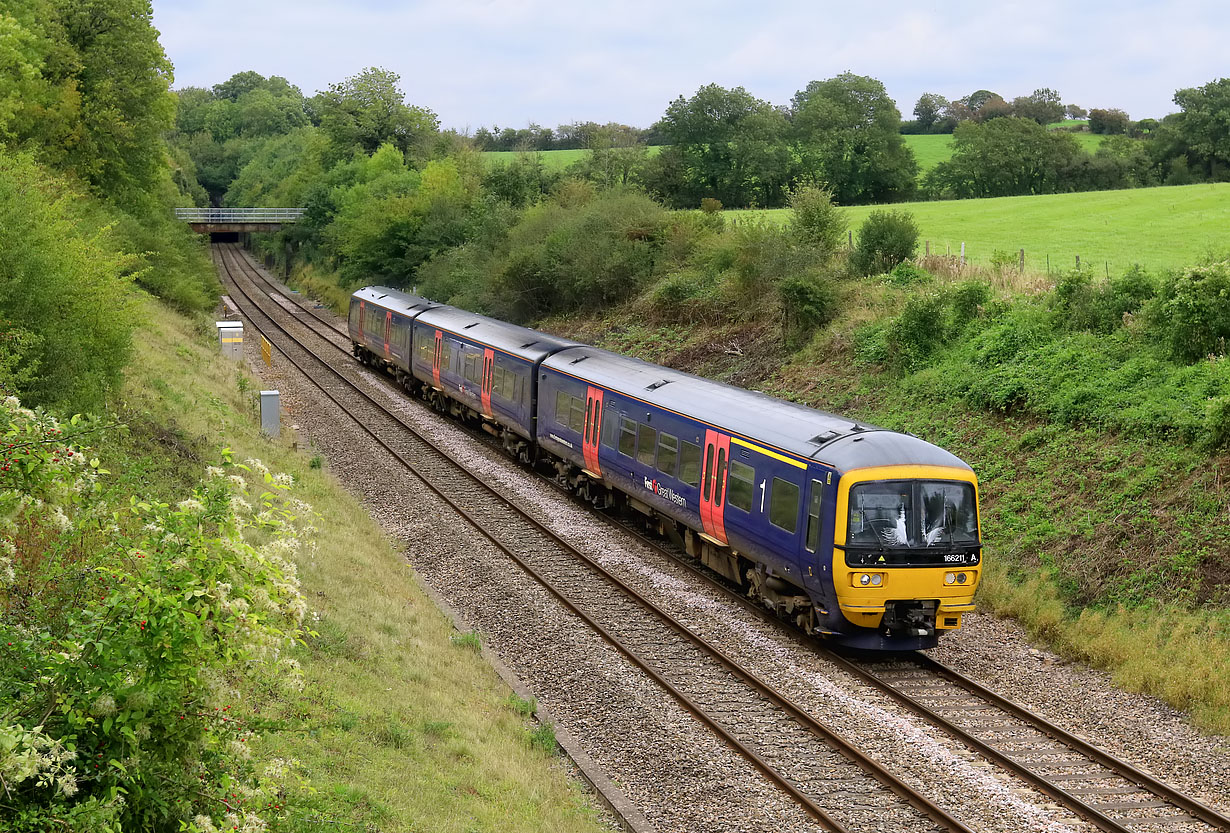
column 1154, row 227
column 401, row 726
column 1086, row 531
column 1109, row 544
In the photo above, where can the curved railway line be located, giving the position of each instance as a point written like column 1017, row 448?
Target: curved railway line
column 835, row 783
column 1096, row 786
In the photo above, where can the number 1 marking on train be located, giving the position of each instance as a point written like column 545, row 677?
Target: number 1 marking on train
column 762, row 482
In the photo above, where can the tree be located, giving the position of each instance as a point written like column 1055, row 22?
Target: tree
column 1004, row 157
column 1204, row 124
column 1074, row 111
column 846, row 133
column 368, row 110
column 1108, row 121
column 1043, row 105
column 732, row 146
column 90, row 89
column 928, row 109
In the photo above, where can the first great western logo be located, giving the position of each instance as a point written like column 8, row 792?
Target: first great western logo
column 664, row 491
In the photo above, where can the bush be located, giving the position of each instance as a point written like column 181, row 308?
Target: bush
column 709, row 205
column 64, row 290
column 808, row 303
column 815, row 221
column 907, row 274
column 885, row 239
column 1195, row 311
column 1102, row 307
column 129, row 628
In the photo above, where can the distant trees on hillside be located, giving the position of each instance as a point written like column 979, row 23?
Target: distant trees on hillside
column 933, row 113
column 571, row 136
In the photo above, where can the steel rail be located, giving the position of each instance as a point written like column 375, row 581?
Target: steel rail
column 1143, row 780
column 875, row 770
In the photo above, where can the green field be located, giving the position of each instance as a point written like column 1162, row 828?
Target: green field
column 929, row 149
column 1155, row 227
column 932, row 149
column 552, row 160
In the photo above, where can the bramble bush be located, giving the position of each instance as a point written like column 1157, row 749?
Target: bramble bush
column 127, row 633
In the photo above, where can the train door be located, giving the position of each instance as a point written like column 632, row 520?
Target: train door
column 488, row 376
column 713, row 485
column 435, row 359
column 816, row 553
column 593, row 427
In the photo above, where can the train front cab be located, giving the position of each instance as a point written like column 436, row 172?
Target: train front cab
column 906, row 555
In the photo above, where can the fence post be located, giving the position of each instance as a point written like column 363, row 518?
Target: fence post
column 1021, row 267
column 962, row 252
column 928, row 248
column 850, row 238
column 1078, row 262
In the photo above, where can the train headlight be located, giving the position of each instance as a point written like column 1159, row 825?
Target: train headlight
column 864, row 579
column 961, row 578
column 877, row 580
column 950, row 578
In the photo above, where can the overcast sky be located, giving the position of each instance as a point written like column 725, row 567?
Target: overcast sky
column 510, row 62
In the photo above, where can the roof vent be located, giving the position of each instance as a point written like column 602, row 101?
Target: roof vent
column 468, row 326
column 658, row 384
column 827, row 436
column 527, row 344
column 578, row 359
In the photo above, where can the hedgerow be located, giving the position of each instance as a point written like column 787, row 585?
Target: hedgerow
column 128, row 632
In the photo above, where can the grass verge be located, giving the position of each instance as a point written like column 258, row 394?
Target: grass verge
column 399, row 726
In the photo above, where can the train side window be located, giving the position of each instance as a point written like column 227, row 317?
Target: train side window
column 741, row 486
column 470, row 371
column 646, row 444
column 610, row 424
column 721, row 477
column 627, row 436
column 689, row 464
column 589, row 420
column 708, row 471
column 576, row 420
column 813, row 515
column 562, row 407
column 668, row 454
column 784, row 505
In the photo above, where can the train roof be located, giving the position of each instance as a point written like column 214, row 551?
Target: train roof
column 787, row 426
column 531, row 345
column 395, row 300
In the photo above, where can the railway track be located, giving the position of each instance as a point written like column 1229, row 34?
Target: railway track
column 1098, row 787
column 829, row 778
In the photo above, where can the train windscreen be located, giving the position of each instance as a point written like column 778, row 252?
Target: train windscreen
column 916, row 522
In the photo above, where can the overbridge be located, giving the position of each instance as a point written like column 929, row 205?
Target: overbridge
column 232, row 220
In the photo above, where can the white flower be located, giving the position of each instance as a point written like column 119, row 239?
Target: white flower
column 284, row 481
column 192, row 506
column 238, row 483
column 213, row 471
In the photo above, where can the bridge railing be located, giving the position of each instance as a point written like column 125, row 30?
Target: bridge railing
column 238, row 215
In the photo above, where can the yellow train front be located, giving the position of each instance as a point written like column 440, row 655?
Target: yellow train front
column 907, row 555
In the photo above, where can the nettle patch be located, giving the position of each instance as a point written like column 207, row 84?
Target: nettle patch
column 128, row 632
